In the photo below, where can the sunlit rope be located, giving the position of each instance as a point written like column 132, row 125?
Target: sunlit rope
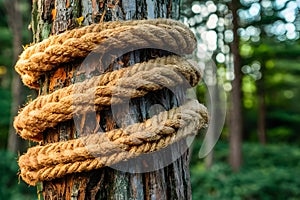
column 58, row 159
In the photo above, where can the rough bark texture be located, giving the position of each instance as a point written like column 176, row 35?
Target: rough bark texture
column 15, row 143
column 236, row 119
column 171, row 182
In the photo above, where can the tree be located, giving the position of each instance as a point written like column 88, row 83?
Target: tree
column 172, row 182
column 265, row 26
column 5, row 94
column 14, row 15
column 236, row 119
column 216, row 24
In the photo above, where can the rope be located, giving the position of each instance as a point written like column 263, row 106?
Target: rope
column 55, row 160
column 78, row 43
column 58, row 159
column 47, row 111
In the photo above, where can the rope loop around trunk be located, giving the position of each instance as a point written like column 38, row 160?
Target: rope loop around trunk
column 97, row 150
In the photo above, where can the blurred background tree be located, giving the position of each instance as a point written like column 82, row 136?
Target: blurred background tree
column 14, row 34
column 15, row 24
column 254, row 43
column 268, row 56
column 5, row 77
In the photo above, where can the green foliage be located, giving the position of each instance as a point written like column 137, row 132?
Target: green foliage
column 10, row 188
column 269, row 172
column 278, row 64
column 5, row 99
column 279, row 134
column 6, row 66
column 5, row 106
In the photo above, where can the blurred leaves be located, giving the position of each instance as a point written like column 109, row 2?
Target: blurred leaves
column 10, row 188
column 269, row 172
column 5, row 101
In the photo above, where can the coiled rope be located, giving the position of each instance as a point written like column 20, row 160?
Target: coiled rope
column 58, row 159
column 78, row 43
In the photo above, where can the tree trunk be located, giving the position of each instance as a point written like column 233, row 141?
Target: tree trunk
column 15, row 143
column 236, row 119
column 212, row 133
column 261, row 121
column 171, row 182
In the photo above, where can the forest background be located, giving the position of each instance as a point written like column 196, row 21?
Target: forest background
column 255, row 47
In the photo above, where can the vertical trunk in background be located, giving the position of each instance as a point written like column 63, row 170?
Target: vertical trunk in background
column 212, row 133
column 236, row 119
column 261, row 121
column 54, row 17
column 15, row 143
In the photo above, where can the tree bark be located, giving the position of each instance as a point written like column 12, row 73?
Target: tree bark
column 171, row 182
column 213, row 133
column 236, row 118
column 15, row 142
column 261, row 121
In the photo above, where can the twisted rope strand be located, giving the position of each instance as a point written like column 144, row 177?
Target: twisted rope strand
column 78, row 43
column 109, row 40
column 108, row 89
column 58, row 159
column 79, row 32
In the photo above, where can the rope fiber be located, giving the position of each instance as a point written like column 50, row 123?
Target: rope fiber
column 96, row 150
column 58, row 159
column 61, row 105
column 78, row 43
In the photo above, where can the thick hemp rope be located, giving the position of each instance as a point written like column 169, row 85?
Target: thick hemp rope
column 58, row 159
column 47, row 111
column 103, row 149
column 78, row 43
